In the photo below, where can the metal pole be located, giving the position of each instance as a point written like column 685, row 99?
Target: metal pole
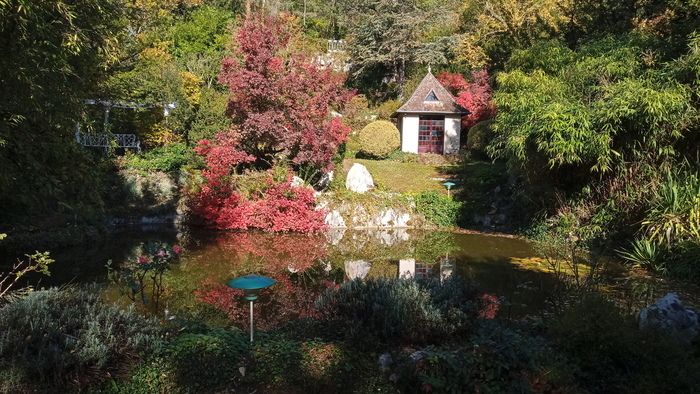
column 251, row 321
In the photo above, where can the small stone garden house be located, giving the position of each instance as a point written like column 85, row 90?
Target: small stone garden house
column 430, row 121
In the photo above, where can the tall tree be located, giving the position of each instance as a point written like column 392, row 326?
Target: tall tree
column 280, row 101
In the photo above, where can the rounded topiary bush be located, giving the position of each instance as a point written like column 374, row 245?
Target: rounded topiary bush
column 479, row 137
column 378, row 139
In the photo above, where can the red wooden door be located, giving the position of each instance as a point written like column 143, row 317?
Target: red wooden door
column 431, row 134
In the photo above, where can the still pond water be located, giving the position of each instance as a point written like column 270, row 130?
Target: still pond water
column 305, row 266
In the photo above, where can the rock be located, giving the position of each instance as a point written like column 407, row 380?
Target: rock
column 297, row 182
column 385, row 361
column 418, row 356
column 668, row 314
column 357, row 269
column 334, row 219
column 359, row 179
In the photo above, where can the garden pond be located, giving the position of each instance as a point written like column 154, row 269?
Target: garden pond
column 192, row 286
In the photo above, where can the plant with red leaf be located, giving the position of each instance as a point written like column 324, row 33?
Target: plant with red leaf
column 281, row 100
column 488, row 306
column 476, row 96
column 292, row 260
column 279, row 207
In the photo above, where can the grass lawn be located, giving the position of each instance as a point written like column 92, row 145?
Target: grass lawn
column 402, row 177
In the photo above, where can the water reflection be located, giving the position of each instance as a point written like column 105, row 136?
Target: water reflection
column 306, row 265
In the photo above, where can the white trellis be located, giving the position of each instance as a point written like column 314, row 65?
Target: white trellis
column 105, row 140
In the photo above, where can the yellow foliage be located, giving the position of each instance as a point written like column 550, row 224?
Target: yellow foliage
column 156, row 54
column 191, row 85
column 159, row 135
column 521, row 22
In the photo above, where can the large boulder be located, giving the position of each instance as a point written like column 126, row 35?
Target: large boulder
column 359, row 179
column 668, row 314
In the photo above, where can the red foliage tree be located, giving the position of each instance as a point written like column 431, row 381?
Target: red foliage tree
column 476, row 96
column 280, row 99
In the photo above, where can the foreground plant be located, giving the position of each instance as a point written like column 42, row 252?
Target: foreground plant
column 136, row 277
column 37, row 262
column 60, row 338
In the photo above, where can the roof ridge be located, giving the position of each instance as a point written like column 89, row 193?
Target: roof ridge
column 446, row 101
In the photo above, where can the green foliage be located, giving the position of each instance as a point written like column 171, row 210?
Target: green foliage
column 379, row 138
column 208, row 361
column 166, row 158
column 601, row 105
column 674, row 214
column 646, row 254
column 398, row 310
column 198, row 41
column 479, row 137
column 496, row 359
column 210, row 117
column 438, row 208
column 610, row 354
column 62, row 337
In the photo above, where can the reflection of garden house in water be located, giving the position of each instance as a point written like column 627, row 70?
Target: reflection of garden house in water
column 405, row 269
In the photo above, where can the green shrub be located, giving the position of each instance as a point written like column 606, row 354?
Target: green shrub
column 401, row 310
column 208, row 360
column 277, row 360
column 378, row 139
column 166, row 158
column 438, row 208
column 60, row 337
column 611, row 355
column 496, row 359
column 479, row 137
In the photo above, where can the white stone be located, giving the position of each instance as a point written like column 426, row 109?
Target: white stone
column 668, row 314
column 359, row 179
column 334, row 219
column 297, row 182
column 357, row 269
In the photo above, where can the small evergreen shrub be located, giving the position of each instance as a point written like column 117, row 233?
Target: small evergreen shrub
column 496, row 359
column 378, row 139
column 62, row 337
column 204, row 360
column 438, row 208
column 208, row 361
column 479, row 137
column 165, row 158
column 402, row 310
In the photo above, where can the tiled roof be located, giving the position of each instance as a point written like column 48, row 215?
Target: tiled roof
column 445, row 102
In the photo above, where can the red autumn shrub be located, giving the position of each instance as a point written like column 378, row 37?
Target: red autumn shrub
column 280, row 207
column 476, row 96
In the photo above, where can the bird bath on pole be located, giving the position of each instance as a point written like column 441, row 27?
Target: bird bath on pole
column 251, row 285
column 448, row 185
